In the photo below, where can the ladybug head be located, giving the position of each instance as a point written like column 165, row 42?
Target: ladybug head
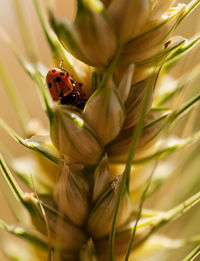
column 69, row 99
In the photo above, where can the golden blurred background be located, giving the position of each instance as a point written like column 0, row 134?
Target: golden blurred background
column 25, row 86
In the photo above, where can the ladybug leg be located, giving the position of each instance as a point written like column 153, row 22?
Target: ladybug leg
column 72, row 80
column 65, row 71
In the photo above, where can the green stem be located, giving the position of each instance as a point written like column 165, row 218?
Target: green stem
column 168, row 150
column 33, row 72
column 183, row 207
column 49, row 108
column 117, row 205
column 192, row 255
column 55, row 45
column 16, row 101
column 185, row 106
column 171, row 215
column 11, row 182
column 33, row 145
column 142, row 199
column 162, row 117
column 124, row 185
column 50, row 38
column 138, row 129
column 181, row 83
column 25, row 31
column 31, row 203
column 190, row 7
column 24, row 234
column 181, row 52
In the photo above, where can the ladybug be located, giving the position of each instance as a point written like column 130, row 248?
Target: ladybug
column 64, row 89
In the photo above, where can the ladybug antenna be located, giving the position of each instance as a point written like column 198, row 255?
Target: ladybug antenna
column 61, row 64
column 62, row 68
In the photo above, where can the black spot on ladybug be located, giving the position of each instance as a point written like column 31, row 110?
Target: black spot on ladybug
column 49, row 84
column 53, row 71
column 68, row 88
column 58, row 79
column 67, row 74
column 61, row 94
column 62, row 73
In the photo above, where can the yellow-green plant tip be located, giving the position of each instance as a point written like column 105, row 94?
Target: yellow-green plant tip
column 89, row 4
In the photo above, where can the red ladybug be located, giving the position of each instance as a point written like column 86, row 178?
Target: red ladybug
column 64, row 89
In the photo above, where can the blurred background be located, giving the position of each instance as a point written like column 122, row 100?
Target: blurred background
column 29, row 95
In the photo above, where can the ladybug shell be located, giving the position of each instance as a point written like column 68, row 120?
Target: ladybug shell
column 59, row 83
